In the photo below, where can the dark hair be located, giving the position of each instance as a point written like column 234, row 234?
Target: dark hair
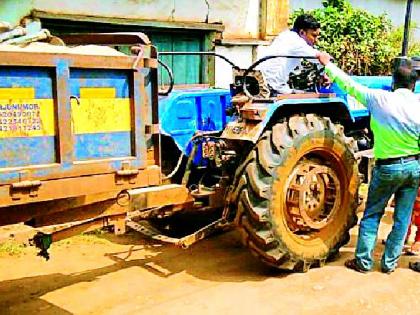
column 305, row 22
column 403, row 74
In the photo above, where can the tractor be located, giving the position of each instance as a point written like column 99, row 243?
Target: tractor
column 88, row 140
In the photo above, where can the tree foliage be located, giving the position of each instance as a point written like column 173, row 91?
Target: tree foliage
column 360, row 42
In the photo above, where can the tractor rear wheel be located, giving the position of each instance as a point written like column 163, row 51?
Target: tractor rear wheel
column 295, row 196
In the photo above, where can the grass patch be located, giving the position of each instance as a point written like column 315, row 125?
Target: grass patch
column 96, row 237
column 11, row 248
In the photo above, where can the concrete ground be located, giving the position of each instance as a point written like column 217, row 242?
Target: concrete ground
column 106, row 274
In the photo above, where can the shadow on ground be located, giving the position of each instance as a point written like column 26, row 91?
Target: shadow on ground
column 220, row 258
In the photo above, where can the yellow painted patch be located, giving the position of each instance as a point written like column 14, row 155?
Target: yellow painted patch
column 93, row 93
column 101, row 115
column 17, row 93
column 26, row 117
column 21, row 115
column 99, row 111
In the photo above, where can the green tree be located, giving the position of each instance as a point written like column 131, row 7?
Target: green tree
column 360, row 42
column 396, row 38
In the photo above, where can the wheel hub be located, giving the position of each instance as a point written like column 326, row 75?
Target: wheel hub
column 313, row 196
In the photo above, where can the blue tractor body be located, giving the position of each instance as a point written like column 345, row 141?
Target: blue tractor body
column 186, row 112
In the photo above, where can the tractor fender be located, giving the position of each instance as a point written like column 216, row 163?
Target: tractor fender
column 337, row 108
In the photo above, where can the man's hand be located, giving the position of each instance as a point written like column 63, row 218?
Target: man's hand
column 324, row 58
column 325, row 81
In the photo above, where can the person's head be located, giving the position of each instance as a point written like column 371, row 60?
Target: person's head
column 403, row 75
column 308, row 28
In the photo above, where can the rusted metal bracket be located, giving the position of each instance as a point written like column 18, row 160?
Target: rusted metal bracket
column 253, row 112
column 24, row 186
column 184, row 242
column 158, row 196
column 43, row 240
column 126, row 174
column 138, row 50
column 151, row 63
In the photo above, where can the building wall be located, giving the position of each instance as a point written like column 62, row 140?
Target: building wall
column 241, row 18
column 240, row 55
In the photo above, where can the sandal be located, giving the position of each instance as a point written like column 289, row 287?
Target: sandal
column 414, row 250
column 414, row 266
column 353, row 265
column 387, row 271
column 409, row 252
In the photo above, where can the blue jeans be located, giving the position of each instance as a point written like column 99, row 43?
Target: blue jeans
column 401, row 179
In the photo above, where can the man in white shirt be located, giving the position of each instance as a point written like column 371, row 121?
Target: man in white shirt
column 296, row 42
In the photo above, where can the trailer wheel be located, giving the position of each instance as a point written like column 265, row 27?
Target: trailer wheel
column 295, row 196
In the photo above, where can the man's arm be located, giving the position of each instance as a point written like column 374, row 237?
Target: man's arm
column 344, row 81
column 301, row 48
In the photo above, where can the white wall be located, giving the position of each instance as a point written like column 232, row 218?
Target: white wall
column 239, row 55
column 240, row 17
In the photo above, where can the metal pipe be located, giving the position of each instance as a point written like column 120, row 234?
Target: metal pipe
column 186, row 53
column 29, row 38
column 407, row 27
column 171, row 79
column 17, row 31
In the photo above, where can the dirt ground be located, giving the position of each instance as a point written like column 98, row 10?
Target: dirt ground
column 107, row 274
